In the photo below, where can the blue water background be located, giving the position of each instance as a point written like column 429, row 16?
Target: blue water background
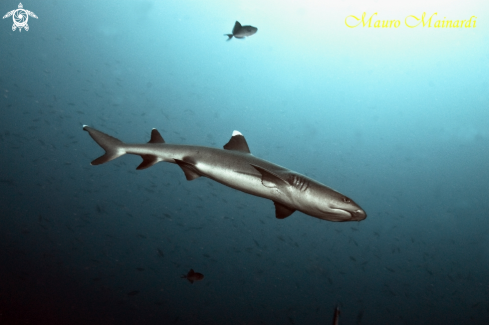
column 396, row 119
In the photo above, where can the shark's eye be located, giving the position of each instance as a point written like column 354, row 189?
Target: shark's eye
column 346, row 200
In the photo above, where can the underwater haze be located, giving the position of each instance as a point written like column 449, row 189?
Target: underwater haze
column 396, row 118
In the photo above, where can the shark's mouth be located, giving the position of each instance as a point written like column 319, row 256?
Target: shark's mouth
column 345, row 215
column 342, row 212
column 335, row 214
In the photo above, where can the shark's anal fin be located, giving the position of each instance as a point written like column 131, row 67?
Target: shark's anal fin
column 156, row 137
column 281, row 211
column 189, row 169
column 237, row 143
column 148, row 161
column 270, row 179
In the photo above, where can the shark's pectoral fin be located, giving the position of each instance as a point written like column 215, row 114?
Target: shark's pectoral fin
column 270, row 179
column 148, row 161
column 237, row 143
column 281, row 211
column 156, row 137
column 189, row 169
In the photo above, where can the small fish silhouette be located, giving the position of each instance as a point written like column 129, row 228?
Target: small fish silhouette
column 193, row 276
column 241, row 31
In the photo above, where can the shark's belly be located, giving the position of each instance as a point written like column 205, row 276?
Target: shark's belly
column 235, row 170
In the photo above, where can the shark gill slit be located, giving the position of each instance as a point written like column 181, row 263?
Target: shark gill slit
column 300, row 183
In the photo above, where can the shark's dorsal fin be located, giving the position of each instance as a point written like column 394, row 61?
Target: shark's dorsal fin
column 237, row 27
column 281, row 211
column 156, row 137
column 237, row 143
column 189, row 169
column 148, row 161
column 270, row 179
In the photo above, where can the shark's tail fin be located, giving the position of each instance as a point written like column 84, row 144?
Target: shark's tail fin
column 114, row 148
column 229, row 36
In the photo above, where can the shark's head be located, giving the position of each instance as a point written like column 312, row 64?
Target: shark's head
column 343, row 209
column 333, row 206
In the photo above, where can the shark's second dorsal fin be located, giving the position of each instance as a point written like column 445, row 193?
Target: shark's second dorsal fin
column 237, row 143
column 270, row 179
column 281, row 211
column 156, row 137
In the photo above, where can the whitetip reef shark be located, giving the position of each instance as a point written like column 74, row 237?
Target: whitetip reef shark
column 237, row 168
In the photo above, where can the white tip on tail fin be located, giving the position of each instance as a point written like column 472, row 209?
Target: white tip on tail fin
column 113, row 147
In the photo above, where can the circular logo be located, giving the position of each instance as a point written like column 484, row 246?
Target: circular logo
column 20, row 17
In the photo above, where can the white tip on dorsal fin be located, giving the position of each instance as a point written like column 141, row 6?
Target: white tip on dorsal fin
column 237, row 143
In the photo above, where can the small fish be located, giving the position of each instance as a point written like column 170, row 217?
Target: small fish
column 336, row 317
column 241, row 31
column 192, row 276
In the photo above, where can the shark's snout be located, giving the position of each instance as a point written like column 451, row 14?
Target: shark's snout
column 358, row 215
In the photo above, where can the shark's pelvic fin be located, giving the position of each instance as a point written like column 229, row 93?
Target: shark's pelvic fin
column 156, row 137
column 113, row 147
column 188, row 168
column 237, row 143
column 270, row 179
column 281, row 211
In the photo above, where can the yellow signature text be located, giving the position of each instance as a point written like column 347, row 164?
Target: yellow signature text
column 410, row 21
